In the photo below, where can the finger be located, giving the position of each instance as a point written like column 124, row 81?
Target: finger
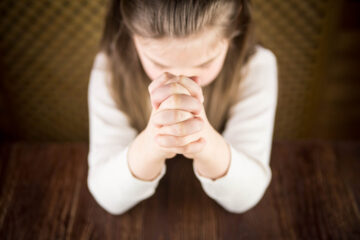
column 194, row 88
column 183, row 128
column 160, row 80
column 165, row 91
column 190, row 148
column 172, row 79
column 170, row 116
column 183, row 102
column 196, row 79
column 194, row 147
column 170, row 141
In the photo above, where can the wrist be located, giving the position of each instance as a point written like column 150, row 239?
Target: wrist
column 214, row 161
column 142, row 164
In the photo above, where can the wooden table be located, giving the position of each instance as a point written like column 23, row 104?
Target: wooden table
column 314, row 194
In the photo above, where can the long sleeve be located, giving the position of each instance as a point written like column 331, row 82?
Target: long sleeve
column 249, row 133
column 110, row 180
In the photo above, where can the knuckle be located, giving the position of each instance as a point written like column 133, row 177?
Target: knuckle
column 164, row 115
column 175, row 99
column 163, row 141
column 154, row 119
column 160, row 117
column 177, row 141
column 178, row 115
column 191, row 147
column 179, row 129
column 196, row 124
column 173, row 131
column 198, row 106
column 189, row 126
column 174, row 140
column 154, row 122
column 187, row 148
column 159, row 140
column 173, row 86
column 181, row 141
column 156, row 92
column 153, row 96
column 199, row 123
column 174, row 115
column 168, row 140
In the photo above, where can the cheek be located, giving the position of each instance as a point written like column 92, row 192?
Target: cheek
column 210, row 74
column 152, row 72
column 148, row 67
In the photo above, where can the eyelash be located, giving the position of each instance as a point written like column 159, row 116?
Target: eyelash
column 206, row 65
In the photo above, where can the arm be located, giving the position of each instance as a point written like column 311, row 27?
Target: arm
column 111, row 182
column 245, row 145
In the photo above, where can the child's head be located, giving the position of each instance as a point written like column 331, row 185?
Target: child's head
column 210, row 39
column 182, row 37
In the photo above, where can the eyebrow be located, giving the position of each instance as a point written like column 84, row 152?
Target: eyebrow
column 204, row 63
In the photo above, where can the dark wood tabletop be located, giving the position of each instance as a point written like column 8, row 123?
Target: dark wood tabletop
column 314, row 194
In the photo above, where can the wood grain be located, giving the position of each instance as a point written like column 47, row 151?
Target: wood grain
column 314, row 194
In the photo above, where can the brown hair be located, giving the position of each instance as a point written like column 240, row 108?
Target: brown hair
column 174, row 18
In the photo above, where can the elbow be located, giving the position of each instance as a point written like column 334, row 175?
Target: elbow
column 243, row 206
column 246, row 200
column 103, row 198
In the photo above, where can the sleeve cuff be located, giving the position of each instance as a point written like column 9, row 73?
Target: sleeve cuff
column 241, row 170
column 113, row 178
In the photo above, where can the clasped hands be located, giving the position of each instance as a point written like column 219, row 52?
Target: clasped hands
column 178, row 115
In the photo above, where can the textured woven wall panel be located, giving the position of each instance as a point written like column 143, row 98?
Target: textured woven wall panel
column 293, row 30
column 47, row 48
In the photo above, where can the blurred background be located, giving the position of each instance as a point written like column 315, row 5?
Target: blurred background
column 47, row 49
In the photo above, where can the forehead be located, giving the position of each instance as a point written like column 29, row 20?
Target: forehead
column 201, row 45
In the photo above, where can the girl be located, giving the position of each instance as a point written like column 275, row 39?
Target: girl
column 180, row 77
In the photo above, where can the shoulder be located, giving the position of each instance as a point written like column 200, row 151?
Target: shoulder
column 261, row 70
column 100, row 72
column 101, row 61
column 259, row 75
column 262, row 58
column 100, row 77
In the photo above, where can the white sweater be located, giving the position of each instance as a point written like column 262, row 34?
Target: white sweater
column 249, row 132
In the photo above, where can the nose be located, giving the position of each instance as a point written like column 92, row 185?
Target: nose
column 192, row 77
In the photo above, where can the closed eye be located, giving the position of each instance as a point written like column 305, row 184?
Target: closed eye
column 204, row 65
